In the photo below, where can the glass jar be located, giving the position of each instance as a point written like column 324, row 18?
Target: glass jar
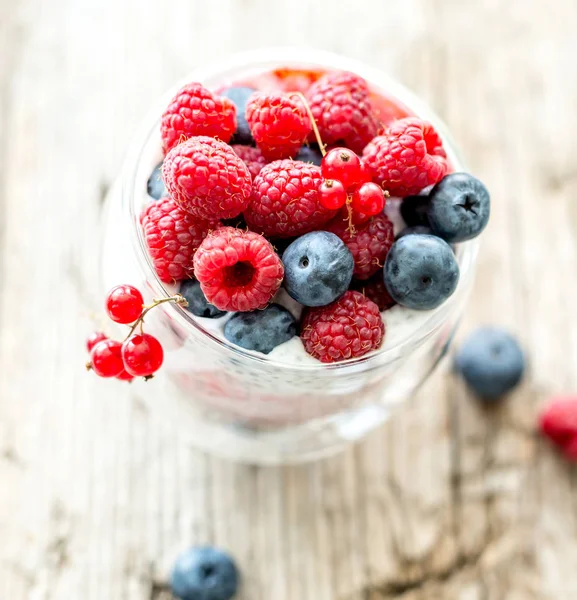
column 256, row 408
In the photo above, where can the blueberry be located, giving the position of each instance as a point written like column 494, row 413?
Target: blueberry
column 318, row 268
column 155, row 186
column 414, row 210
column 197, row 303
column 240, row 96
column 310, row 155
column 421, row 271
column 261, row 330
column 415, row 229
column 491, row 362
column 204, row 573
column 459, row 207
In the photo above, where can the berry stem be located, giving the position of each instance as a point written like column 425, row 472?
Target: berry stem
column 177, row 299
column 313, row 122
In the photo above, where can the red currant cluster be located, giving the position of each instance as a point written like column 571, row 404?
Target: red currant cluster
column 140, row 354
column 347, row 181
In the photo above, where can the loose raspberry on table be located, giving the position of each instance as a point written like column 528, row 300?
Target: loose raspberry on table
column 558, row 422
column 238, row 270
column 207, row 179
column 285, row 200
column 343, row 110
column 197, row 111
column 279, row 124
column 374, row 289
column 252, row 158
column 173, row 236
column 407, row 158
column 368, row 242
column 348, row 328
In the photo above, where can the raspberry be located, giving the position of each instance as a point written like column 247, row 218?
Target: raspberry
column 207, row 179
column 347, row 328
column 343, row 111
column 374, row 289
column 408, row 158
column 286, row 201
column 369, row 242
column 252, row 158
column 279, row 124
column 197, row 111
column 238, row 270
column 558, row 422
column 173, row 236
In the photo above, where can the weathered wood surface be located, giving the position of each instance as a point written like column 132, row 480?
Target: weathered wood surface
column 449, row 500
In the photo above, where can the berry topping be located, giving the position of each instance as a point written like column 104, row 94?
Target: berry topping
column 285, row 200
column 558, row 422
column 318, row 268
column 142, row 355
column 408, row 158
column 197, row 302
column 206, row 178
column 124, row 304
column 332, row 194
column 155, row 185
column 414, row 210
column 237, row 270
column 491, row 362
column 459, row 207
column 279, row 124
column 421, row 271
column 368, row 199
column 173, row 236
column 252, row 158
column 239, row 96
column 310, row 155
column 94, row 338
column 204, row 573
column 416, row 230
column 374, row 289
column 343, row 165
column 261, row 330
column 197, row 111
column 343, row 111
column 368, row 242
column 347, row 328
column 106, row 358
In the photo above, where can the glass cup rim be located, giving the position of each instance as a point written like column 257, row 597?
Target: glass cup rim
column 260, row 61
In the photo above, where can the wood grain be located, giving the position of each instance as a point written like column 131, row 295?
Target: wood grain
column 449, row 500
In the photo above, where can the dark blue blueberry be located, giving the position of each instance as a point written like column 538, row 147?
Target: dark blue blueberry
column 240, row 96
column 155, row 186
column 414, row 210
column 261, row 330
column 204, row 573
column 310, row 155
column 491, row 362
column 416, row 229
column 421, row 271
column 459, row 207
column 197, row 303
column 318, row 268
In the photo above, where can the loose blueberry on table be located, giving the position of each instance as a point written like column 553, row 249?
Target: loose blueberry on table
column 253, row 174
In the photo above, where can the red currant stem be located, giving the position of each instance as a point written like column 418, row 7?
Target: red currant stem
column 177, row 299
column 350, row 214
column 313, row 122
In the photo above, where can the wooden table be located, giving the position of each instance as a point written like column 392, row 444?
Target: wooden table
column 449, row 501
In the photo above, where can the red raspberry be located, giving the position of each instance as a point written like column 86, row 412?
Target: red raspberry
column 173, row 236
column 286, row 201
column 207, row 179
column 252, row 158
column 408, row 158
column 558, row 422
column 279, row 124
column 197, row 111
column 238, row 270
column 374, row 289
column 369, row 242
column 343, row 111
column 347, row 328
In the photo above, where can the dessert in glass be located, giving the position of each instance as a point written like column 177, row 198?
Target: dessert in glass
column 269, row 380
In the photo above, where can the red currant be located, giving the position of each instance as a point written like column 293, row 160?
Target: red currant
column 106, row 358
column 344, row 165
column 332, row 194
column 124, row 304
column 94, row 338
column 124, row 375
column 142, row 355
column 368, row 199
column 366, row 173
